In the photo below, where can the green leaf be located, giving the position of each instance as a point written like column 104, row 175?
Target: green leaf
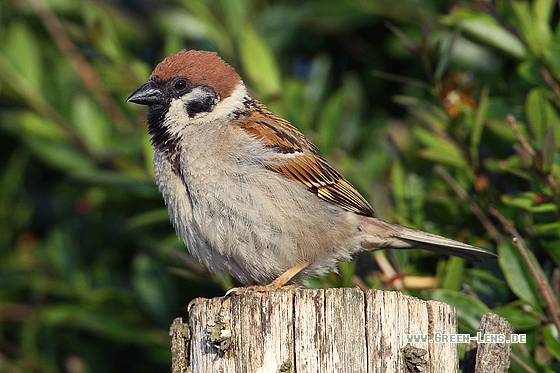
column 440, row 150
column 478, row 123
column 145, row 219
column 483, row 27
column 329, row 122
column 202, row 13
column 503, row 130
column 530, row 70
column 259, row 63
column 448, row 45
column 108, row 323
column 534, row 23
column 511, row 164
column 540, row 112
column 90, row 123
column 543, row 228
column 415, row 199
column 543, row 10
column 153, row 287
column 129, row 182
column 548, row 150
column 35, row 126
column 469, row 309
column 22, row 48
column 298, row 112
column 347, row 273
column 517, row 274
column 61, row 156
column 235, row 14
column 431, row 114
column 15, row 213
column 551, row 246
column 398, row 187
column 552, row 57
column 101, row 30
column 63, row 254
column 520, row 319
column 184, row 24
column 318, row 79
column 552, row 340
column 352, row 111
column 526, row 201
column 453, row 276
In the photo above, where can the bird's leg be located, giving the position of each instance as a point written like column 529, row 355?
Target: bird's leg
column 276, row 284
column 281, row 280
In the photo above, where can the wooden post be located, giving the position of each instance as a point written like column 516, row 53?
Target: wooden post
column 489, row 357
column 314, row 330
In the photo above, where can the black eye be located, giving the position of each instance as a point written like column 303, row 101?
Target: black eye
column 180, row 84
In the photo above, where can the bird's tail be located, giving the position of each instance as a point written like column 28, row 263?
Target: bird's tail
column 384, row 235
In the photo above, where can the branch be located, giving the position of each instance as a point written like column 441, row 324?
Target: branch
column 476, row 210
column 536, row 271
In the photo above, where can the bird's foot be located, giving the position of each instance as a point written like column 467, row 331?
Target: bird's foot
column 278, row 283
column 260, row 289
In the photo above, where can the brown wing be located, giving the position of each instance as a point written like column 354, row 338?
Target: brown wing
column 299, row 160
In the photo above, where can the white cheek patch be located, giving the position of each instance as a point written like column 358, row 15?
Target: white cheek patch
column 178, row 115
column 178, row 118
column 226, row 107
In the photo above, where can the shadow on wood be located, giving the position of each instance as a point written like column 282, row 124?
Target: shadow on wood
column 317, row 330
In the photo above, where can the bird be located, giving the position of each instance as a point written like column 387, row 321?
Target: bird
column 247, row 192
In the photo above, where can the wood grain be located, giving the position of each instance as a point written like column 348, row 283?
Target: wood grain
column 316, row 330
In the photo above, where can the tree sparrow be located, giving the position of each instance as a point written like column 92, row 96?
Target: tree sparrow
column 246, row 191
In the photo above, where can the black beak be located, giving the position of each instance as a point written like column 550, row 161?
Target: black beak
column 146, row 95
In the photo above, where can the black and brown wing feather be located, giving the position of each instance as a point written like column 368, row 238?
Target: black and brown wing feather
column 299, row 160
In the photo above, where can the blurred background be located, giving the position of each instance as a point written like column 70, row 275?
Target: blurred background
column 444, row 114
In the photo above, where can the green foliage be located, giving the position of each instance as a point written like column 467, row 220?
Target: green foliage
column 435, row 117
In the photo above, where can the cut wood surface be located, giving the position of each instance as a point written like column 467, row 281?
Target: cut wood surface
column 314, row 330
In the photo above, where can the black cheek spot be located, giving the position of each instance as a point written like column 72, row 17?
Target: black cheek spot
column 202, row 105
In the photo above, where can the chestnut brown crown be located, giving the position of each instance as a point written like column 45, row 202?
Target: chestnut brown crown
column 201, row 68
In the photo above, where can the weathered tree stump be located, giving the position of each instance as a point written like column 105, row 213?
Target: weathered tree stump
column 489, row 357
column 314, row 330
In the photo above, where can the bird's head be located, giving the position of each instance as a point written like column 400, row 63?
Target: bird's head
column 187, row 88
